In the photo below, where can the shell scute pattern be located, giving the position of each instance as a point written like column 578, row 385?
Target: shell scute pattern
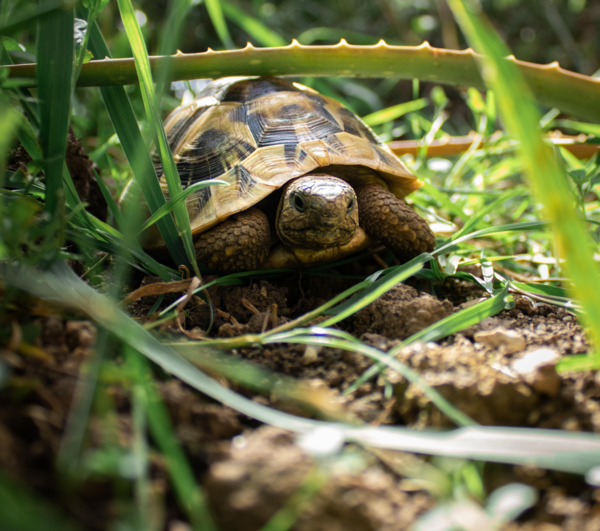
column 357, row 127
column 253, row 88
column 259, row 133
column 213, row 145
column 288, row 118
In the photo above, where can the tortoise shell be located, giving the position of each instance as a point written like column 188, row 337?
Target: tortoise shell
column 259, row 133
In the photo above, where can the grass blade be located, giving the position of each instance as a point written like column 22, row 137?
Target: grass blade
column 23, row 512
column 317, row 336
column 392, row 113
column 392, row 277
column 510, row 227
column 140, row 53
column 474, row 220
column 26, row 16
column 123, row 119
column 55, row 68
column 215, row 12
column 169, row 39
column 187, row 489
column 177, row 200
column 253, row 27
column 547, row 180
column 574, row 452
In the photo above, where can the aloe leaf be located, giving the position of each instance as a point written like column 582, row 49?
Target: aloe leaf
column 335, row 34
column 552, row 86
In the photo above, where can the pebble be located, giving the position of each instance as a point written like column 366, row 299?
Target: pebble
column 538, row 368
column 311, row 354
column 508, row 340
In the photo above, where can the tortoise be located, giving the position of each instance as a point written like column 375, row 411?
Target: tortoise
column 308, row 181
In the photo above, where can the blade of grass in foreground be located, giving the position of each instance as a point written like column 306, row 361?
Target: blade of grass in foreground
column 574, row 452
column 140, row 54
column 187, row 489
column 510, row 227
column 123, row 119
column 54, row 71
column 330, row 337
column 169, row 39
column 317, row 336
column 175, row 201
column 548, row 181
column 316, row 478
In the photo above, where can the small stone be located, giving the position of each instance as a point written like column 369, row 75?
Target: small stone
column 538, row 369
column 311, row 354
column 508, row 340
column 177, row 525
column 228, row 472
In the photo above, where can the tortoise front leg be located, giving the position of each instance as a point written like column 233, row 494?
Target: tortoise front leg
column 392, row 222
column 240, row 243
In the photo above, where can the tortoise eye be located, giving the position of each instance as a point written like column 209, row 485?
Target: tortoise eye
column 299, row 203
column 351, row 203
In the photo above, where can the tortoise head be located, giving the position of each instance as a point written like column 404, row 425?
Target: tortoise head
column 317, row 212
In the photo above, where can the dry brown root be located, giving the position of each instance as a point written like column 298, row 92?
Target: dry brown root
column 392, row 222
column 240, row 243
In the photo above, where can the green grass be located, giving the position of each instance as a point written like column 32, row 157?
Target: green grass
column 55, row 67
column 140, row 54
column 548, row 182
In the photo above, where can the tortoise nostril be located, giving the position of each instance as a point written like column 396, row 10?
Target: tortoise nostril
column 299, row 203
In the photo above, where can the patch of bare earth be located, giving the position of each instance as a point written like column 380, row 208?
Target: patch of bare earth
column 499, row 372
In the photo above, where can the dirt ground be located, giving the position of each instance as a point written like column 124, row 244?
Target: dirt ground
column 499, row 372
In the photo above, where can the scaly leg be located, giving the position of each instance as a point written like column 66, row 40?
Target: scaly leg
column 392, row 222
column 240, row 243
